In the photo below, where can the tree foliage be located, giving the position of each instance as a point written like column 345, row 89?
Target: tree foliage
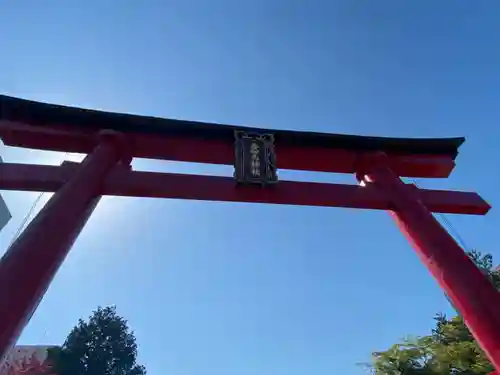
column 103, row 345
column 449, row 349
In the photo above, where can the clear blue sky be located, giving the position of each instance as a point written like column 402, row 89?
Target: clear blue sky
column 313, row 291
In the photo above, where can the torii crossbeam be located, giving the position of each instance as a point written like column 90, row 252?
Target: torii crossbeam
column 112, row 140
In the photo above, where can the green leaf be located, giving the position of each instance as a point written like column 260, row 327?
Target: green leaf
column 450, row 348
column 103, row 345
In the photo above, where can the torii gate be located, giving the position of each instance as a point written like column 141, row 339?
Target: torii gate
column 112, row 140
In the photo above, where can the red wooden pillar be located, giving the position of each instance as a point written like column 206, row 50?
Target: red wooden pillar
column 467, row 287
column 30, row 264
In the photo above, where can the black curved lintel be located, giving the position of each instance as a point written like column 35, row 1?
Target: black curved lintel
column 43, row 114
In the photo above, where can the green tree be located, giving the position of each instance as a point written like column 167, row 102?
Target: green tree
column 103, row 345
column 449, row 349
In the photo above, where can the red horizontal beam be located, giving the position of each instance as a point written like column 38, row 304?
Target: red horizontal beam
column 124, row 182
column 195, row 150
column 21, row 135
column 288, row 157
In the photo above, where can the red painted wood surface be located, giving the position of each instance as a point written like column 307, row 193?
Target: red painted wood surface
column 469, row 289
column 219, row 152
column 124, row 182
column 43, row 246
column 31, row 262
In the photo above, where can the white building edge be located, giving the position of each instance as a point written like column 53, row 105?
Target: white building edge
column 21, row 356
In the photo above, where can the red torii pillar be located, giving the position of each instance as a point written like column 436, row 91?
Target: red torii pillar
column 30, row 264
column 471, row 292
